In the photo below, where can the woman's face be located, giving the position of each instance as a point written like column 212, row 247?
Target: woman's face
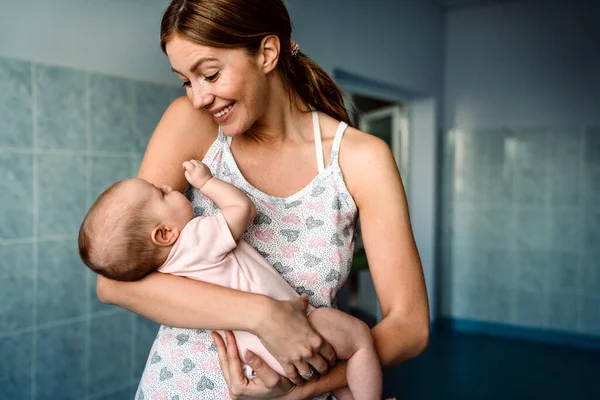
column 227, row 83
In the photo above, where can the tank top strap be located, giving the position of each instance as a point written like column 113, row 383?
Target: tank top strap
column 318, row 142
column 224, row 137
column 337, row 141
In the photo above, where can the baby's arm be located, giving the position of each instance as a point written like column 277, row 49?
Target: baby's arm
column 236, row 207
column 351, row 339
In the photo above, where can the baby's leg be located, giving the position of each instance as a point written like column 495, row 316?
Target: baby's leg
column 352, row 341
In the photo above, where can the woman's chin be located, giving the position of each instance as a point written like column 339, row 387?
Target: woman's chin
column 233, row 130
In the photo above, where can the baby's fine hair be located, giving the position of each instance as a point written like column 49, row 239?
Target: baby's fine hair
column 114, row 238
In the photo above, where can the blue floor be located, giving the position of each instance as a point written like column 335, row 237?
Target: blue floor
column 462, row 366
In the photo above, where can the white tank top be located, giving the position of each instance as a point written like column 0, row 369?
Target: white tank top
column 308, row 237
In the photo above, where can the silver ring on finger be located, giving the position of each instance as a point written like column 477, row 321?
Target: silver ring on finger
column 308, row 375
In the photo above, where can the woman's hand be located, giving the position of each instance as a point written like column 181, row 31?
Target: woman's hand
column 290, row 338
column 268, row 384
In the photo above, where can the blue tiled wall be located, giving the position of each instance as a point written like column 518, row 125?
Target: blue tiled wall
column 65, row 135
column 520, row 234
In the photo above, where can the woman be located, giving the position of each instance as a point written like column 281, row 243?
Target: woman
column 248, row 116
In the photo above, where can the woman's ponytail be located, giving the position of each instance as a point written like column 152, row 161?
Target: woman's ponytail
column 316, row 88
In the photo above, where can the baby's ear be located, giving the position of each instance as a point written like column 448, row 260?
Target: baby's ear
column 164, row 236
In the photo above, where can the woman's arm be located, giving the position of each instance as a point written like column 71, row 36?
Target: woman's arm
column 185, row 133
column 394, row 263
column 182, row 134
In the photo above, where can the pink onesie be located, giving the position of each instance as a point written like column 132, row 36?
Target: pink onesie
column 206, row 251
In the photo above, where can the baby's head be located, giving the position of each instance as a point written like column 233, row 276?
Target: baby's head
column 130, row 229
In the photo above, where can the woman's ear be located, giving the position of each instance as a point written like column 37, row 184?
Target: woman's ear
column 269, row 53
column 164, row 236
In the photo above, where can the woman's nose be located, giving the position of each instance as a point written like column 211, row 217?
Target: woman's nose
column 201, row 96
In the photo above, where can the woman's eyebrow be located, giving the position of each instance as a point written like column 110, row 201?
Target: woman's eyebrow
column 196, row 64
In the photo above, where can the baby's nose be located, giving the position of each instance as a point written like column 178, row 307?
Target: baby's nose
column 167, row 188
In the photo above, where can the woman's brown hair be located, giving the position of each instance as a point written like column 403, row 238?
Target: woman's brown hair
column 243, row 24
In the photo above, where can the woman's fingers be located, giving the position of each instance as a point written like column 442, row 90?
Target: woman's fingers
column 222, row 352
column 292, row 373
column 236, row 374
column 268, row 375
column 328, row 353
column 306, row 371
column 319, row 364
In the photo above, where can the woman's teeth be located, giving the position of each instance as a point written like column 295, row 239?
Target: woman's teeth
column 223, row 111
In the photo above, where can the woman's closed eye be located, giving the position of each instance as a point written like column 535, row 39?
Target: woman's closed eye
column 211, row 78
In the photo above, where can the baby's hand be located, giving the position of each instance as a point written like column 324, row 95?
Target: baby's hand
column 196, row 173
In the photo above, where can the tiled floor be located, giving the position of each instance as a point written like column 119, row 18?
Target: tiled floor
column 458, row 366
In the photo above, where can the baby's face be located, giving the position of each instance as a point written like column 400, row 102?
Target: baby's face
column 172, row 208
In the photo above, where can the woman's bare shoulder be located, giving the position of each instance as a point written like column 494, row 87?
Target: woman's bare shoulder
column 364, row 159
column 182, row 121
column 183, row 133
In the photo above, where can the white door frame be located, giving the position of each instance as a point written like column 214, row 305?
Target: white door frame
column 399, row 134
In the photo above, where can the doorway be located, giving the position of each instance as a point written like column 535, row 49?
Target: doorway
column 387, row 120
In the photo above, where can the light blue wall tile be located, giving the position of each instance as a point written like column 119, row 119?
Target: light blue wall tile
column 589, row 322
column 531, row 146
column 499, row 185
column 136, row 162
column 467, row 265
column 563, row 311
column 62, row 191
column 502, row 268
column 532, row 230
column 589, row 274
column 16, row 287
column 591, row 187
column 151, row 101
column 16, row 124
column 566, row 229
column 471, row 148
column 110, row 356
column 471, row 301
column 111, row 109
column 562, row 272
column 565, row 185
column 15, row 367
column 592, row 146
column 16, row 191
column 95, row 304
column 123, row 394
column 61, row 108
column 469, row 186
column 494, row 227
column 565, row 147
column 531, row 184
column 60, row 369
column 61, row 282
column 145, row 333
column 106, row 171
column 532, row 202
column 531, row 309
column 501, row 304
column 533, row 269
column 477, row 226
column 459, row 226
column 531, row 164
column 591, row 230
column 499, row 147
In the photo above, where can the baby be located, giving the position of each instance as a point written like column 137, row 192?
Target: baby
column 135, row 228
